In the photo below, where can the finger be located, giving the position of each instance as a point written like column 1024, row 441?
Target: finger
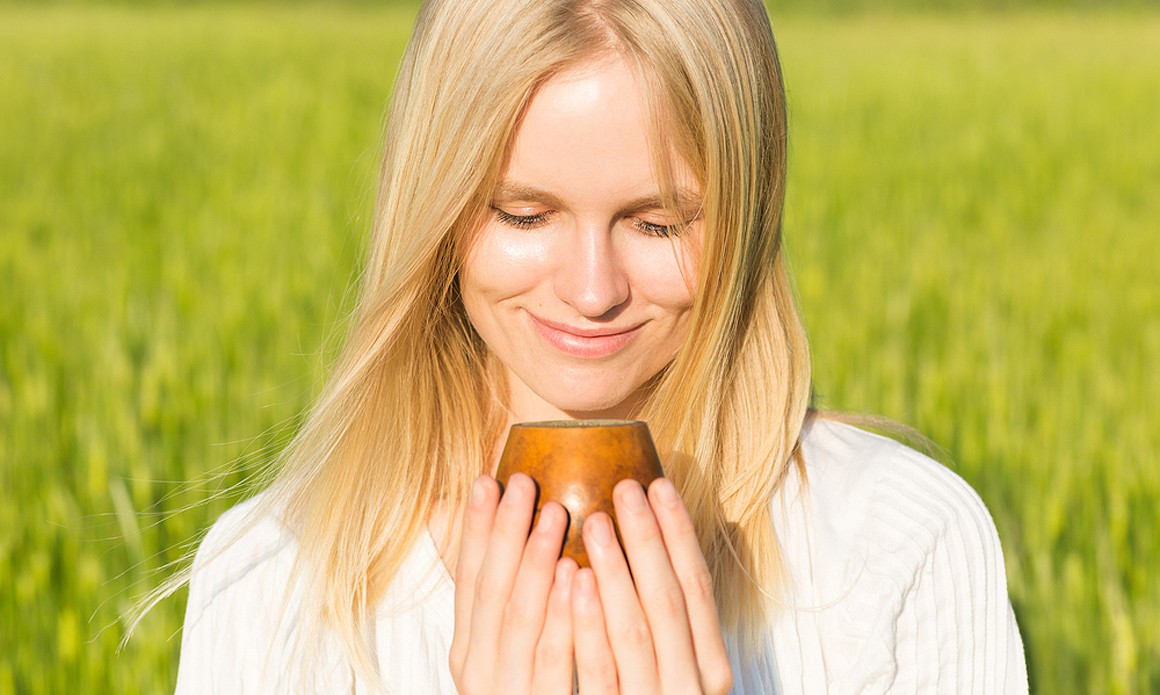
column 497, row 574
column 554, row 660
column 660, row 592
column 696, row 585
column 524, row 614
column 478, row 518
column 596, row 671
column 624, row 620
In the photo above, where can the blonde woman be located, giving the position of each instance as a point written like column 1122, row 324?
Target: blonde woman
column 579, row 216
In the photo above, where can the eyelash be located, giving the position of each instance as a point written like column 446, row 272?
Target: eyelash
column 533, row 221
column 522, row 221
column 657, row 230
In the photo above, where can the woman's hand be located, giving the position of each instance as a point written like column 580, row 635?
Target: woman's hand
column 513, row 624
column 660, row 634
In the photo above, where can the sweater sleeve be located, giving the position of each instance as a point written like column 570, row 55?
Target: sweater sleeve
column 242, row 617
column 944, row 623
column 202, row 631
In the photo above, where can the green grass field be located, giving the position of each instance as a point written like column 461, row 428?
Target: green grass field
column 183, row 195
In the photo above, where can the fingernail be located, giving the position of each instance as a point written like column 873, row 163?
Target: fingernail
column 667, row 493
column 478, row 492
column 514, row 490
column 547, row 522
column 600, row 529
column 632, row 495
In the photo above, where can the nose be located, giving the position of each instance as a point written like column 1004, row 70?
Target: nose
column 590, row 277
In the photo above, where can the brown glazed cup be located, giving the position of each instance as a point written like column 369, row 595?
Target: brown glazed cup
column 577, row 463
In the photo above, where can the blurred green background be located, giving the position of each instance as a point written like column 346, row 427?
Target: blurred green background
column 184, row 192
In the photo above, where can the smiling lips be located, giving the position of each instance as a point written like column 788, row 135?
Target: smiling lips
column 584, row 342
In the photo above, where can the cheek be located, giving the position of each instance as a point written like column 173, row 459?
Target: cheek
column 502, row 264
column 664, row 274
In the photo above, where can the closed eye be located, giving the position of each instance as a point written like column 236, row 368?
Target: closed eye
column 522, row 221
column 658, row 230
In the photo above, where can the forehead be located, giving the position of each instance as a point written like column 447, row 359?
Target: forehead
column 589, row 128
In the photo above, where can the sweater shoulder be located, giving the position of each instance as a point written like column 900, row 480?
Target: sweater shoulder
column 896, row 572
column 869, row 488
column 243, row 547
column 868, row 515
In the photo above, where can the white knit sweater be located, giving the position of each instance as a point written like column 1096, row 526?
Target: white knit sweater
column 897, row 585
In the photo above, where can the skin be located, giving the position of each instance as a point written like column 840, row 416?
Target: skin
column 583, row 300
column 577, row 281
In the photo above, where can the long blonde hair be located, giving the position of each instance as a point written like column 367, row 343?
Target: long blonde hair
column 412, row 414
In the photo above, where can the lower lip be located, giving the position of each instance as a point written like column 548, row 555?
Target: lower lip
column 584, row 346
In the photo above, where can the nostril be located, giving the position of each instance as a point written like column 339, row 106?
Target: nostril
column 594, row 292
column 591, row 278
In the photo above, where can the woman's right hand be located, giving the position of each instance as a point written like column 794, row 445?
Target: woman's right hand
column 513, row 622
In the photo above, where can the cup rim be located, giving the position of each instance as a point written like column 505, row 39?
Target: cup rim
column 568, row 424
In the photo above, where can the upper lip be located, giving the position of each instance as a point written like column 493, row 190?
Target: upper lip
column 593, row 332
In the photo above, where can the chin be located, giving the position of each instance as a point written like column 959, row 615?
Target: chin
column 602, row 405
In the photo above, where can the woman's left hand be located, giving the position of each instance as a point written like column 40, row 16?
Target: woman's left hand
column 656, row 629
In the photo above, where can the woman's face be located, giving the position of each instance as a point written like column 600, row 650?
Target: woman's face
column 577, row 280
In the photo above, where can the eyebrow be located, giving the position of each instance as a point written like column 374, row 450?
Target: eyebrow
column 511, row 190
column 687, row 199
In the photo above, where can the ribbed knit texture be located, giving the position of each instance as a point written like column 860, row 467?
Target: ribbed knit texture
column 897, row 573
column 896, row 585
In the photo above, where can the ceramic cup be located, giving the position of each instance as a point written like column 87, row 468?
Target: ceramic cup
column 577, row 463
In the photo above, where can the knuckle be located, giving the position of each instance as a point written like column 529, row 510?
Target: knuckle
column 684, row 530
column 636, row 635
column 510, row 522
column 588, row 617
column 476, row 526
column 542, row 547
column 455, row 657
column 602, row 674
column 644, row 531
column 489, row 589
column 464, row 685
column 517, row 614
column 475, row 518
column 717, row 680
column 670, row 603
column 552, row 651
column 700, row 585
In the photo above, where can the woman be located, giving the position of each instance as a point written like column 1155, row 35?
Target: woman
column 579, row 216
